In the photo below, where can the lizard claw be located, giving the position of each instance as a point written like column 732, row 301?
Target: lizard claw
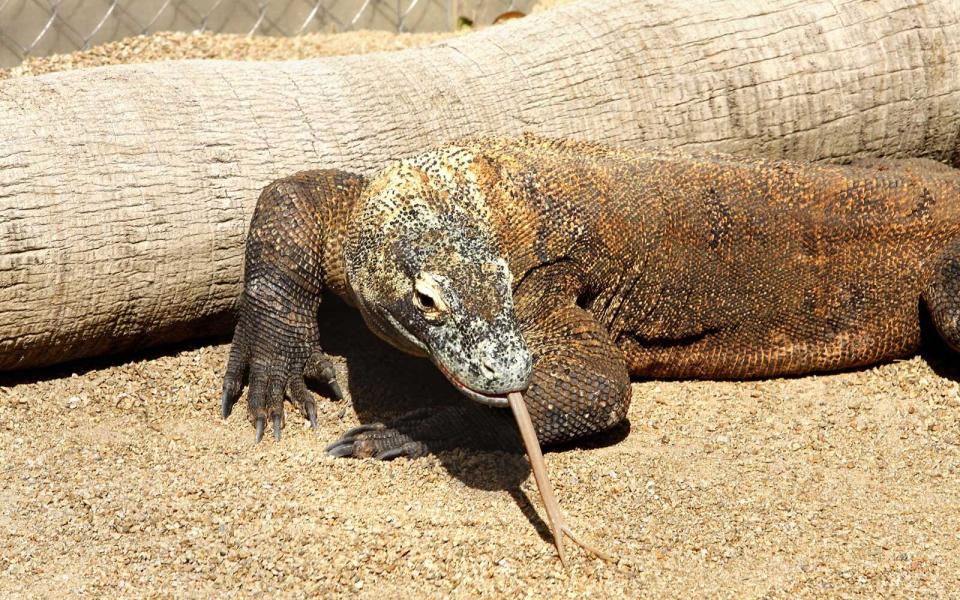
column 335, row 389
column 341, row 448
column 319, row 368
column 226, row 404
column 233, row 380
column 276, row 427
column 352, row 433
column 260, row 423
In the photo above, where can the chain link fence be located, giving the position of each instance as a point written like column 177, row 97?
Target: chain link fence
column 42, row 27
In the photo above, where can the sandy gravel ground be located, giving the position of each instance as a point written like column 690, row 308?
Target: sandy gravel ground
column 118, row 479
column 121, row 480
column 179, row 45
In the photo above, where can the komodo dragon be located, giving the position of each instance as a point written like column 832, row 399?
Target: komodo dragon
column 562, row 268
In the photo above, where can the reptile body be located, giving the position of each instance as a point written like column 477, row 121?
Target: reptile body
column 563, row 268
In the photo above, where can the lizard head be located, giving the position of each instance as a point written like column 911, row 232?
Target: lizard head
column 426, row 275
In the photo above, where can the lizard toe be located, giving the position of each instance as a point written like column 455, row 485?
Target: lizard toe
column 233, row 379
column 265, row 404
column 320, row 368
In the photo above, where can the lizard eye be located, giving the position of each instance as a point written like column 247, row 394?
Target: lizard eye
column 428, row 298
column 423, row 301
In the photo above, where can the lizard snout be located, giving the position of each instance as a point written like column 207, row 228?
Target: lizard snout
column 505, row 365
column 488, row 367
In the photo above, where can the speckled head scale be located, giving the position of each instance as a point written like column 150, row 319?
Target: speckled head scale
column 426, row 275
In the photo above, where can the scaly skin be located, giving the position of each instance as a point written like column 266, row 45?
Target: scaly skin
column 292, row 256
column 618, row 263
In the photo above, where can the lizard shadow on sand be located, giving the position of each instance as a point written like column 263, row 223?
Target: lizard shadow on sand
column 382, row 381
column 385, row 383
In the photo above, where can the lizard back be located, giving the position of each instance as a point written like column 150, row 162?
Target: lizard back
column 726, row 267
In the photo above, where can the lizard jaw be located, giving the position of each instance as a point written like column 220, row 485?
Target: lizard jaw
column 498, row 401
column 495, row 401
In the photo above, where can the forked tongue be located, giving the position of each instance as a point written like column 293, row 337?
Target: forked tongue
column 558, row 525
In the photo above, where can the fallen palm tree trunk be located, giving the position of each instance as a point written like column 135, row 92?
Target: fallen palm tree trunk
column 125, row 192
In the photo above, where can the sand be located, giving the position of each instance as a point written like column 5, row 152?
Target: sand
column 182, row 45
column 119, row 479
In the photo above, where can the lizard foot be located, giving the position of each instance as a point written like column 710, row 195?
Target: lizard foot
column 376, row 440
column 274, row 363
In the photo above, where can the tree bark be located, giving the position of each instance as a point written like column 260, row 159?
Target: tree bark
column 125, row 192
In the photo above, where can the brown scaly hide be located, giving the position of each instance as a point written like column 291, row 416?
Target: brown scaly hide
column 651, row 264
column 720, row 267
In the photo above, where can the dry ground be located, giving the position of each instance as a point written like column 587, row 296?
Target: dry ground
column 121, row 480
column 179, row 45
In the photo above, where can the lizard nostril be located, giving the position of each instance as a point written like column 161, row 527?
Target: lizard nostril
column 486, row 366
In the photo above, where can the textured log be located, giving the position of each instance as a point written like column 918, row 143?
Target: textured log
column 125, row 191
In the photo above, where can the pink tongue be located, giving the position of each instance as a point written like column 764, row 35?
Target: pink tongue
column 555, row 518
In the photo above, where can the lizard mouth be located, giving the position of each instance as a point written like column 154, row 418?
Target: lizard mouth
column 496, row 400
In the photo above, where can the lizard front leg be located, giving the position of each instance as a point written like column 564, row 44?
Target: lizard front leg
column 580, row 384
column 291, row 258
